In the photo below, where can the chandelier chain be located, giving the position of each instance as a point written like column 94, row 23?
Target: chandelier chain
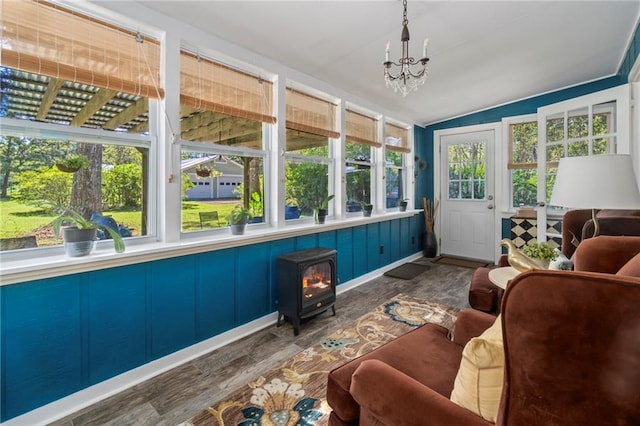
column 405, row 20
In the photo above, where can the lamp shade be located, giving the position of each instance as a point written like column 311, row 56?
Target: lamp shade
column 596, row 182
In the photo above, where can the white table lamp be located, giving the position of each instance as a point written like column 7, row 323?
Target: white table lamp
column 596, row 182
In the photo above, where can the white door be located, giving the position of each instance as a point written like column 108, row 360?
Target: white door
column 467, row 195
column 593, row 124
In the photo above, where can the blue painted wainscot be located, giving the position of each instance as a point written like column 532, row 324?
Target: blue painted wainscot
column 66, row 333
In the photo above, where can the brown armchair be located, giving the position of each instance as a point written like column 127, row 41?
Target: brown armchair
column 427, row 355
column 572, row 349
column 572, row 355
column 577, row 226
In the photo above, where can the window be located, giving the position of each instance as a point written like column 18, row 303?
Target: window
column 396, row 144
column 523, row 163
column 221, row 188
column 467, row 170
column 224, row 117
column 576, row 133
column 361, row 138
column 75, row 93
column 311, row 128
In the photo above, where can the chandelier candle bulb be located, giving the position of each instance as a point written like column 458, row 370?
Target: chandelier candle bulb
column 424, row 47
column 386, row 56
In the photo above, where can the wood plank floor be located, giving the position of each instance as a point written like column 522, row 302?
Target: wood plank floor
column 179, row 394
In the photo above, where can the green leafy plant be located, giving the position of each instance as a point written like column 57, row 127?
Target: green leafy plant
column 73, row 162
column 74, row 218
column 323, row 203
column 365, row 205
column 537, row 250
column 239, row 215
column 256, row 204
column 203, row 171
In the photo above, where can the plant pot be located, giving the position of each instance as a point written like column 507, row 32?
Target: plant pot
column 78, row 242
column 66, row 169
column 203, row 173
column 366, row 211
column 402, row 206
column 238, row 229
column 429, row 244
column 319, row 215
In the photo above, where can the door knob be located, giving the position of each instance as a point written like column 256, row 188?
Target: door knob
column 490, row 206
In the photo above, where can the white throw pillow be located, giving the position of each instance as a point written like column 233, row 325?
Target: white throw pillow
column 478, row 384
column 561, row 263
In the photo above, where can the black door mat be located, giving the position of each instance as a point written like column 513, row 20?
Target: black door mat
column 407, row 271
column 457, row 261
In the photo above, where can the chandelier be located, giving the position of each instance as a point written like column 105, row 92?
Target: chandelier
column 406, row 80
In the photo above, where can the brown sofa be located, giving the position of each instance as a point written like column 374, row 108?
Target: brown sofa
column 577, row 226
column 572, row 353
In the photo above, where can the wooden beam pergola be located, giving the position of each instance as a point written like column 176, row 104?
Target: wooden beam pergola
column 49, row 97
column 97, row 101
column 136, row 109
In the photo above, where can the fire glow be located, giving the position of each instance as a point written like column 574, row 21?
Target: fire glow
column 316, row 277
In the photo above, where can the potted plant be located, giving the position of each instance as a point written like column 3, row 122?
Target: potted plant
column 320, row 211
column 238, row 219
column 203, row 171
column 366, row 209
column 402, row 205
column 80, row 234
column 540, row 253
column 72, row 163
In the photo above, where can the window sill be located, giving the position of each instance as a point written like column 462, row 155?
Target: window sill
column 29, row 269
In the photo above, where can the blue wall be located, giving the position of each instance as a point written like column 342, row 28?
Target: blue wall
column 63, row 334
column 424, row 135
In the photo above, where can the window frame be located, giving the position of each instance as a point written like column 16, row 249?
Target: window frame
column 508, row 166
column 404, row 150
column 34, row 129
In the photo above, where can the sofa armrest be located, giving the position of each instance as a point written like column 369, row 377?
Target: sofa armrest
column 605, row 253
column 393, row 398
column 471, row 323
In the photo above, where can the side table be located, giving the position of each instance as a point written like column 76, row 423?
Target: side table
column 502, row 276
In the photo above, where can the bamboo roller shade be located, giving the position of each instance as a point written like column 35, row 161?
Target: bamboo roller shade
column 47, row 39
column 310, row 114
column 399, row 134
column 362, row 129
column 208, row 85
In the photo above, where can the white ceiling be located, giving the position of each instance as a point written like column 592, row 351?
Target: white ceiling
column 482, row 53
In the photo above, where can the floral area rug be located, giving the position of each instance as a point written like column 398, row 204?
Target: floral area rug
column 295, row 392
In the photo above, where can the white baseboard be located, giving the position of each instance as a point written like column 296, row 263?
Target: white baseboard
column 63, row 407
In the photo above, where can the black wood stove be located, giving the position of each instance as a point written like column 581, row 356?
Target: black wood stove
column 306, row 285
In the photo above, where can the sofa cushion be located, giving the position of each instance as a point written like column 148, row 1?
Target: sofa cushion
column 478, row 384
column 631, row 268
column 426, row 354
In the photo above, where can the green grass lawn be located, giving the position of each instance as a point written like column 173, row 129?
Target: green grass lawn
column 18, row 220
